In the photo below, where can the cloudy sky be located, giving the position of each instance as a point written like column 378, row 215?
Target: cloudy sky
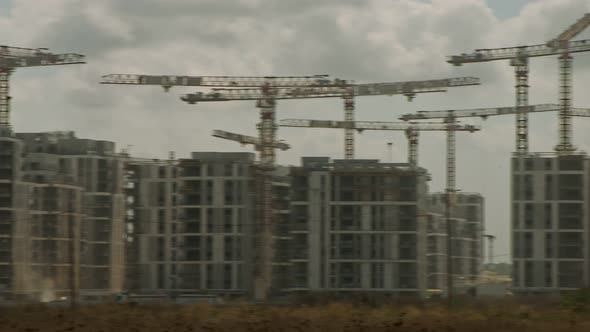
column 365, row 41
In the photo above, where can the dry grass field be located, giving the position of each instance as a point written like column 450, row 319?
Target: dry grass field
column 497, row 317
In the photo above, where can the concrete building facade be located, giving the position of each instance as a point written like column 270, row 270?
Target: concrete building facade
column 550, row 223
column 467, row 240
column 358, row 226
column 192, row 225
column 13, row 215
column 192, row 222
column 62, row 202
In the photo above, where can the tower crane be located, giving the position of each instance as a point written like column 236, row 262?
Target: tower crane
column 518, row 57
column 411, row 129
column 347, row 91
column 491, row 239
column 12, row 58
column 561, row 43
column 450, row 116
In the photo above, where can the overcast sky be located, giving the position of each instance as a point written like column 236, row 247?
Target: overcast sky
column 364, row 40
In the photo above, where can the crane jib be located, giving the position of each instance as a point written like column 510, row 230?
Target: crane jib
column 169, row 80
column 483, row 55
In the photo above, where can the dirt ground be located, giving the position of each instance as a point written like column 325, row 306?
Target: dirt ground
column 325, row 318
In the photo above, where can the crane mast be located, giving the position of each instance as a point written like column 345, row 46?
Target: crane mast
column 267, row 132
column 521, row 73
column 12, row 58
column 412, row 136
column 349, row 117
column 518, row 57
column 346, row 91
column 562, row 42
column 411, row 129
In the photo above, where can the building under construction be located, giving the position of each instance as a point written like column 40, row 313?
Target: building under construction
column 338, row 226
column 192, row 225
column 188, row 226
column 550, row 222
column 358, row 225
column 467, row 227
column 62, row 215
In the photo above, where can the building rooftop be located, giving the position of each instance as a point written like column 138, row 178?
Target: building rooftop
column 325, row 163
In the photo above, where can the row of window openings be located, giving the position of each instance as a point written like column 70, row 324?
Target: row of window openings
column 348, row 275
column 568, row 275
column 350, row 218
column 570, row 187
column 405, row 195
column 210, row 170
column 569, row 245
column 186, row 277
column 194, row 249
column 349, row 246
column 348, row 181
column 192, row 219
column 570, row 216
column 547, row 165
column 228, row 170
column 193, row 192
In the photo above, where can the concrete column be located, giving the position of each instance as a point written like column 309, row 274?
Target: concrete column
column 218, row 192
column 365, row 275
column 315, row 225
column 366, row 218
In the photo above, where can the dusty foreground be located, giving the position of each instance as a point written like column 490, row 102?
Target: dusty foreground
column 331, row 317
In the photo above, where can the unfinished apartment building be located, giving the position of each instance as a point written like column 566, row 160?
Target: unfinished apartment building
column 191, row 225
column 190, row 218
column 14, row 215
column 358, row 226
column 467, row 228
column 151, row 190
column 550, row 223
column 67, row 203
